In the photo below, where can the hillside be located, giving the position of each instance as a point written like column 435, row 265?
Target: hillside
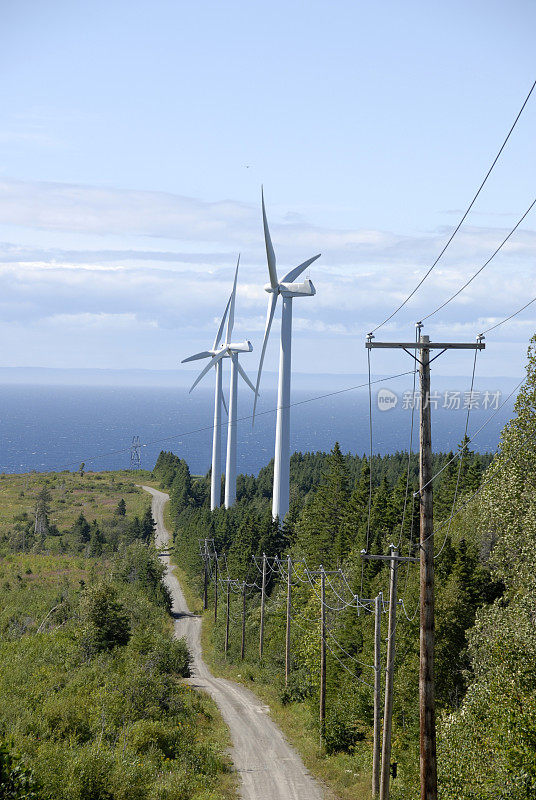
column 93, row 705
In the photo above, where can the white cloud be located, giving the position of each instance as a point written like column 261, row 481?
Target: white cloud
column 362, row 275
column 100, row 321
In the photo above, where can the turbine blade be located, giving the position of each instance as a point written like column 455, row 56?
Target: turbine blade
column 232, row 300
column 220, row 329
column 244, row 376
column 293, row 274
column 224, row 403
column 197, row 356
column 208, row 367
column 269, row 317
column 270, row 255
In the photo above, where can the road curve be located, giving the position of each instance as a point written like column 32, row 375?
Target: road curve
column 268, row 767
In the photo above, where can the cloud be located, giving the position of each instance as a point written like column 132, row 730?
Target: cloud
column 101, row 210
column 225, row 226
column 98, row 321
column 183, row 286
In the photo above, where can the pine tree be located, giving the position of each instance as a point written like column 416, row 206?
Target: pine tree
column 354, row 526
column 320, row 529
column 121, row 509
column 148, row 527
column 82, row 529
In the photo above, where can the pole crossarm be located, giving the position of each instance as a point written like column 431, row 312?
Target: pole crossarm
column 427, row 345
column 368, row 557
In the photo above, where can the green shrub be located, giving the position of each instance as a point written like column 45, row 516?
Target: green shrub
column 16, row 780
column 106, row 624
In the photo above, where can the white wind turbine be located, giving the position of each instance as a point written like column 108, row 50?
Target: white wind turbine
column 220, row 351
column 287, row 289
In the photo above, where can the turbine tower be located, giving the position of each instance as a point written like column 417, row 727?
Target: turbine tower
column 216, row 354
column 287, row 289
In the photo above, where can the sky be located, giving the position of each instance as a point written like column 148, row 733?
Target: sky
column 135, row 137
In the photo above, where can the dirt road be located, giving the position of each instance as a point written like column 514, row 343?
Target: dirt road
column 269, row 768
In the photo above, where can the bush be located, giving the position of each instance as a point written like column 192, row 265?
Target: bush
column 16, row 780
column 164, row 655
column 106, row 622
column 299, row 688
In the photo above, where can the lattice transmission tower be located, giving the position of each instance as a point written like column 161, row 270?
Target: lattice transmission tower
column 135, row 453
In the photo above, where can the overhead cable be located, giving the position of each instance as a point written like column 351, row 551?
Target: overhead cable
column 471, row 279
column 460, row 223
column 507, row 319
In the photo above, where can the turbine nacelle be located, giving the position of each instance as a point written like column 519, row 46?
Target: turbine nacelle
column 241, row 347
column 303, row 289
column 229, row 349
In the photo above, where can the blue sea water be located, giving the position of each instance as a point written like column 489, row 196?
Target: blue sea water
column 57, row 427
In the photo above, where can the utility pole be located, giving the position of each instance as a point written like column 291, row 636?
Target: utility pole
column 263, row 597
column 243, row 645
column 377, row 696
column 389, row 678
column 322, row 651
column 394, row 560
column 428, row 760
column 227, row 616
column 215, row 590
column 422, row 347
column 289, row 606
column 205, row 586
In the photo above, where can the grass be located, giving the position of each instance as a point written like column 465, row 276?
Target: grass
column 95, row 494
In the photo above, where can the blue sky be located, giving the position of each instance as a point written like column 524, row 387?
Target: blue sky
column 135, row 137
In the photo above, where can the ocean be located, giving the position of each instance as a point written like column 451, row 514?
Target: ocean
column 51, row 427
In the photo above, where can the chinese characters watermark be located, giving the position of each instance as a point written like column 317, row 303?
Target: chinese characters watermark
column 449, row 399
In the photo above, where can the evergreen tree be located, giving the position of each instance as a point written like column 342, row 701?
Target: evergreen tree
column 148, row 527
column 121, row 509
column 82, row 529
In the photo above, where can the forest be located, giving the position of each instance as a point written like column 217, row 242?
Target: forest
column 485, row 523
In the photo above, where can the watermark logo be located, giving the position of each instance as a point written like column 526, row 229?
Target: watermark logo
column 451, row 400
column 386, row 400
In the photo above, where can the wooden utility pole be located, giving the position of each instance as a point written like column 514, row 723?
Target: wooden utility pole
column 377, row 696
column 263, row 597
column 422, row 347
column 389, row 677
column 215, row 591
column 227, row 616
column 205, row 587
column 322, row 651
column 289, row 606
column 394, row 560
column 428, row 761
column 243, row 645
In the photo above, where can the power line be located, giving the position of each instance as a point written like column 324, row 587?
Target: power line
column 410, row 448
column 507, row 319
column 465, row 437
column 471, row 279
column 460, row 223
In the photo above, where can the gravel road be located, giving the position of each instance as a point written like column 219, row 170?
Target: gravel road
column 269, row 768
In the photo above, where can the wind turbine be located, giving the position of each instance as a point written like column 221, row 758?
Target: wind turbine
column 287, row 289
column 218, row 352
